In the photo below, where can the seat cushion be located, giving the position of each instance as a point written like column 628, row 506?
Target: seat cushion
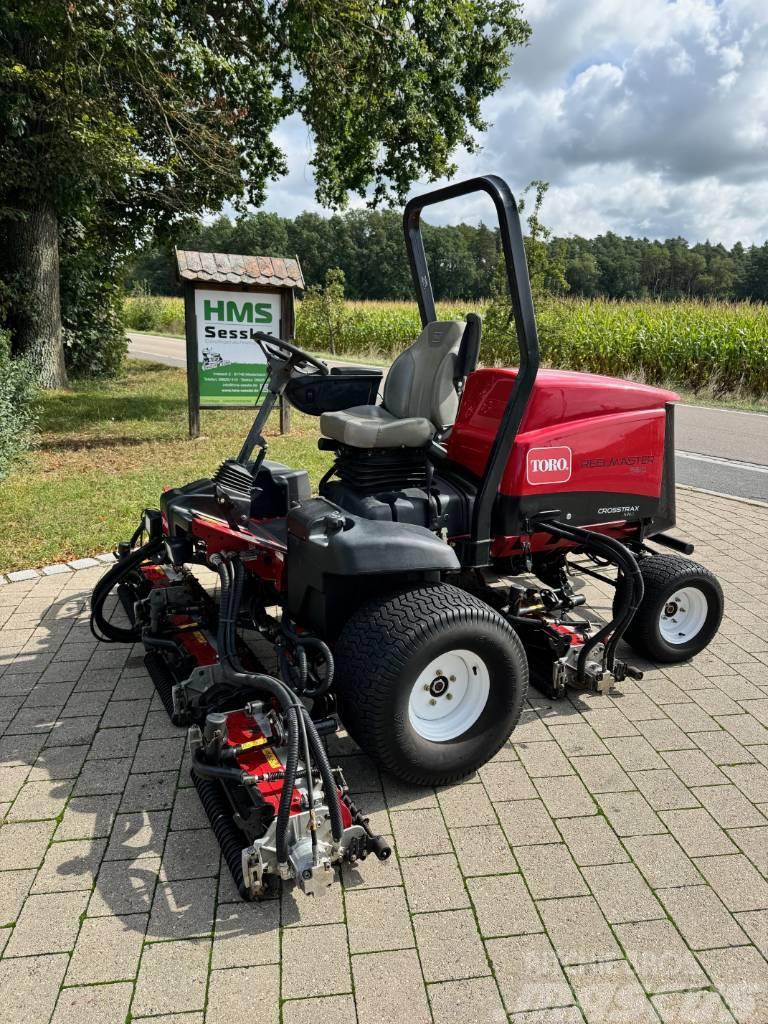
column 371, row 426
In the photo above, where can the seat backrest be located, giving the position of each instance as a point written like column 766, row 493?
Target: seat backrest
column 420, row 382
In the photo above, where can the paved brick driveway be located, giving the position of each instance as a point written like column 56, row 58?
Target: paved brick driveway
column 610, row 864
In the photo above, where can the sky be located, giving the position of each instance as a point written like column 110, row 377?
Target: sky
column 647, row 118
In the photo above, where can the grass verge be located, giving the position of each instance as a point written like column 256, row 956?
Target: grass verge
column 105, row 452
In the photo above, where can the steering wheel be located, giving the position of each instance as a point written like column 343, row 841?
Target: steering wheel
column 299, row 355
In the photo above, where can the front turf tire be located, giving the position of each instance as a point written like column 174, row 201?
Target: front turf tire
column 395, row 647
column 680, row 612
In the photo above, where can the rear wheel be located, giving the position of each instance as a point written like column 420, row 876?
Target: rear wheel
column 431, row 682
column 680, row 611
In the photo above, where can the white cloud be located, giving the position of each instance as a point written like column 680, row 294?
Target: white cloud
column 647, row 118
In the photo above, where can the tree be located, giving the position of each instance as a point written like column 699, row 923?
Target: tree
column 146, row 112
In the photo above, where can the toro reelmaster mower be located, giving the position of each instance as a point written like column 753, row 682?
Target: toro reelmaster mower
column 411, row 597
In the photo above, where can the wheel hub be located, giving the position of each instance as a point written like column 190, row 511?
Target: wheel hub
column 449, row 696
column 683, row 616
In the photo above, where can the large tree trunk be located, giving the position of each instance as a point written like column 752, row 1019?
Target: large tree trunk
column 37, row 316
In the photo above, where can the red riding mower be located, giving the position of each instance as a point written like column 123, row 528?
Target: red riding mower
column 404, row 597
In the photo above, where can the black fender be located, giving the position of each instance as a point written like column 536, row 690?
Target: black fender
column 336, row 561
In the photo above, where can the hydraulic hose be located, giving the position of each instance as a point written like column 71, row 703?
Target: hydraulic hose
column 101, row 628
column 630, row 588
column 326, row 773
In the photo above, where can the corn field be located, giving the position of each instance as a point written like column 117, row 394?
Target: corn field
column 721, row 348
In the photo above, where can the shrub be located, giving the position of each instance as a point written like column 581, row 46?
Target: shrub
column 18, row 406
column 160, row 313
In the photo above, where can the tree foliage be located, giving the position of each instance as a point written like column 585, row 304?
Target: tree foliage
column 130, row 115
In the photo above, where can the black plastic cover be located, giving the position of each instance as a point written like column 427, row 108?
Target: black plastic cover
column 344, row 388
column 337, row 560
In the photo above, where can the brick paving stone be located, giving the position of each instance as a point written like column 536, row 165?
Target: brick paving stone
column 550, row 871
column 663, row 790
column 378, row 919
column 14, row 886
column 304, row 972
column 449, row 945
column 664, row 734
column 483, row 850
column 183, row 909
column 70, row 866
column 610, row 722
column 578, row 930
column 39, row 800
column 692, row 1008
column 297, row 910
column 753, row 842
column 88, row 817
column 372, row 873
column 701, row 917
column 528, row 972
column 190, row 854
column 566, row 797
column 47, row 924
column 172, row 977
column 542, row 759
column 602, row 773
column 96, row 1004
column 661, row 959
column 107, row 949
column 231, row 990
column 466, row 805
column 120, row 743
column 634, row 753
column 622, row 893
column 741, row 976
column 149, row 792
column 125, row 712
column 729, row 807
column 738, row 884
column 691, row 719
column 379, row 998
column 104, row 776
column 722, row 748
column 591, row 840
column 433, row 883
column 609, row 993
column 562, row 1015
column 247, row 934
column 715, row 702
column 187, row 811
column 420, row 832
column 339, row 1009
column 471, row 999
column 11, row 781
column 29, row 988
column 158, row 755
column 58, row 763
column 527, row 822
column 124, row 887
column 698, row 833
column 23, row 845
column 662, row 862
column 751, row 779
column 744, row 728
column 579, row 738
column 141, row 834
column 503, row 905
column 755, row 924
column 630, row 814
column 507, row 781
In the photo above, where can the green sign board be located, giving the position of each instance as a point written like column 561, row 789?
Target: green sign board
column 231, row 364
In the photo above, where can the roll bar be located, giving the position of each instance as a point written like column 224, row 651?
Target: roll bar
column 525, row 325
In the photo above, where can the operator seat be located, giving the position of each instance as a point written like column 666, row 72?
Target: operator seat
column 421, row 392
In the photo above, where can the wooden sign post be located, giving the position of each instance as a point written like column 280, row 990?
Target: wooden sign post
column 228, row 299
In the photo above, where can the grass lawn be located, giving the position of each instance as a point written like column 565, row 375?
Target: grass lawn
column 106, row 451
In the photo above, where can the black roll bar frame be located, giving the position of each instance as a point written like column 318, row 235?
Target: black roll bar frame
column 477, row 551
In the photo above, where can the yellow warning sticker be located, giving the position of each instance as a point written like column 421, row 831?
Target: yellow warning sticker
column 254, row 743
column 272, row 759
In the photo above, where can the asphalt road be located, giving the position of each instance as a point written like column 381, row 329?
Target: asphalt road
column 721, row 450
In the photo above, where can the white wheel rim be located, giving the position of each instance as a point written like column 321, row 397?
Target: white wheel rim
column 449, row 696
column 683, row 615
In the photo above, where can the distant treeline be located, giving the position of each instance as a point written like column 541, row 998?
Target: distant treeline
column 368, row 247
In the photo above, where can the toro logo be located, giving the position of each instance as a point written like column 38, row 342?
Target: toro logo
column 549, row 465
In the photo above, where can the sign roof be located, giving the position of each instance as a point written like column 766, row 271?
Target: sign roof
column 231, row 268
